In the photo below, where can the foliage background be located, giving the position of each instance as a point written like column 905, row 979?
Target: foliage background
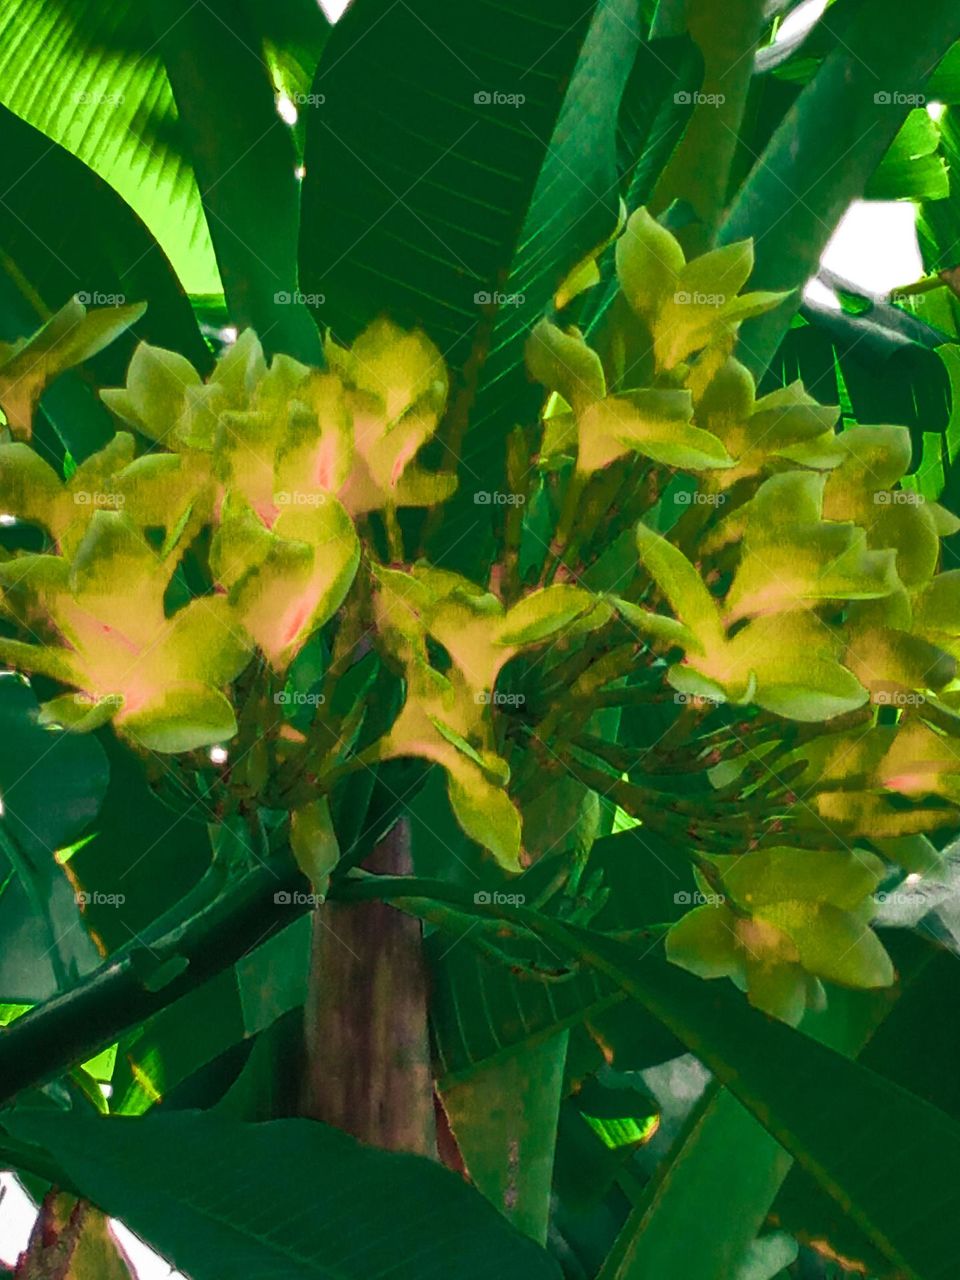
column 879, row 361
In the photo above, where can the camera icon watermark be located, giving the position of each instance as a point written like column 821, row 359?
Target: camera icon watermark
column 899, row 898
column 494, row 98
column 894, row 98
column 683, row 298
column 897, row 698
column 898, row 498
column 284, row 898
column 284, row 298
column 497, row 699
column 488, row 498
column 97, row 298
column 485, row 299
column 293, row 698
column 697, row 499
column 687, row 98
column 102, row 501
column 695, row 700
column 494, row 898
column 84, row 98
column 98, row 700
column 296, row 498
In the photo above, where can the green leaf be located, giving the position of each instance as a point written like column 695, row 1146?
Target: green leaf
column 544, row 613
column 68, row 338
column 102, row 251
column 287, row 582
column 514, row 193
column 485, row 811
column 912, row 169
column 481, row 1011
column 89, row 76
column 682, row 586
column 186, row 716
column 157, row 381
column 504, row 1119
column 314, row 842
column 871, row 1144
column 133, row 828
column 699, row 172
column 51, row 785
column 656, row 109
column 161, row 1053
column 913, row 1046
column 649, row 262
column 724, row 1146
column 883, row 52
column 245, row 161
column 182, row 1181
column 77, row 713
column 30, row 489
column 657, row 625
column 564, row 363
column 654, row 424
column 841, row 877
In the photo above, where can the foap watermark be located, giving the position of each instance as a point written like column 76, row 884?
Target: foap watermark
column 299, row 498
column 97, row 298
column 308, row 99
column 695, row 700
column 684, row 499
column 494, row 898
column 494, row 498
column 897, row 698
column 297, row 898
column 698, row 899
column 494, row 98
column 90, row 701
column 94, row 898
column 688, row 98
column 88, row 98
column 100, row 499
column 696, row 298
column 898, row 498
column 899, row 898
column 496, row 699
column 293, row 698
column 894, row 98
column 485, row 299
column 284, row 298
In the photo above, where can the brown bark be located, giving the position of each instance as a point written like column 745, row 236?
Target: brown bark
column 367, row 1047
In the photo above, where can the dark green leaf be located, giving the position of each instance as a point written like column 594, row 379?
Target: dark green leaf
column 245, row 163
column 51, row 787
column 868, row 1142
column 101, row 252
column 289, row 1199
column 89, row 76
column 455, row 188
column 863, row 88
column 723, row 1146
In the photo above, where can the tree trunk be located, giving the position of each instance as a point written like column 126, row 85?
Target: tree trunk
column 367, row 1048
